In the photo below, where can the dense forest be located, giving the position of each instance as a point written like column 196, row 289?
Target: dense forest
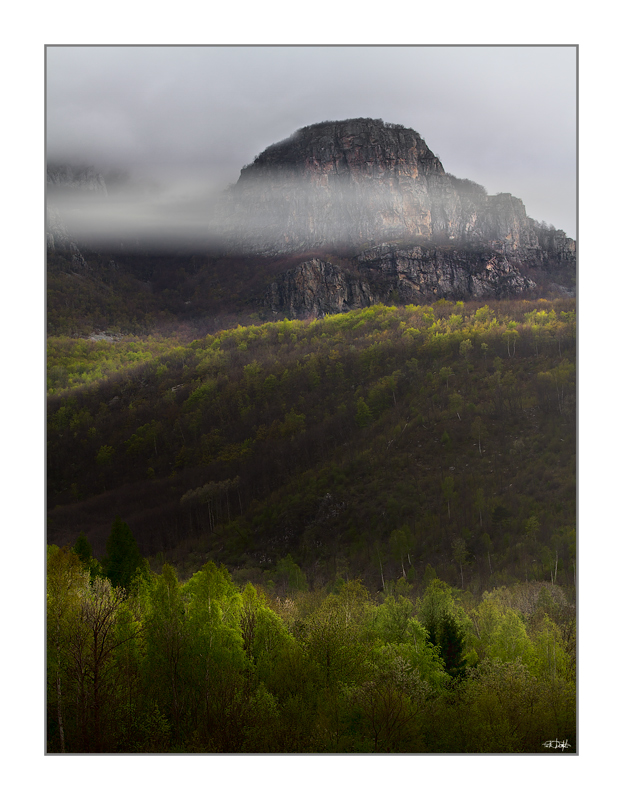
column 347, row 534
column 139, row 662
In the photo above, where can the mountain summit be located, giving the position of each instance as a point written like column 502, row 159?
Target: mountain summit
column 363, row 182
column 376, row 194
column 340, row 215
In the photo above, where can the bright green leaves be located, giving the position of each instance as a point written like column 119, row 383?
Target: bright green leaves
column 447, row 626
column 206, row 666
column 288, row 576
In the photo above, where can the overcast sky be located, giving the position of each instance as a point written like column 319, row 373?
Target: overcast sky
column 192, row 117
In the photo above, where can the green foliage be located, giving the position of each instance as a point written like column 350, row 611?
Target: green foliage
column 123, row 559
column 288, row 576
column 363, row 417
column 82, row 549
column 224, row 453
column 205, row 666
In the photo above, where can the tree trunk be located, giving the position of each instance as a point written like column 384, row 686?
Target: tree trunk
column 60, row 712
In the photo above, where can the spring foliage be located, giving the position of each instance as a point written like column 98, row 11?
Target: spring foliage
column 209, row 665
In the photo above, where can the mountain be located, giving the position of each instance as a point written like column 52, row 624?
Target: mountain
column 343, row 533
column 376, row 191
column 339, row 216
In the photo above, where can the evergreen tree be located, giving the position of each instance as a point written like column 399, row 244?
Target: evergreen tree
column 451, row 642
column 82, row 549
column 123, row 557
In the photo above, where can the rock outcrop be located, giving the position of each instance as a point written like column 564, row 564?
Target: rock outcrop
column 418, row 273
column 359, row 211
column 378, row 193
column 397, row 275
column 362, row 182
column 315, row 288
column 62, row 182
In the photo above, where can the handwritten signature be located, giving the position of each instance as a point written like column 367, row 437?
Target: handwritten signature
column 555, row 744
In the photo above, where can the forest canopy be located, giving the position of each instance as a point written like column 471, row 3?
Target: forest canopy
column 327, row 535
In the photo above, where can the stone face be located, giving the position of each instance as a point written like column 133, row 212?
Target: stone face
column 369, row 195
column 419, row 233
column 392, row 274
column 338, row 183
column 65, row 181
column 425, row 273
column 316, row 288
column 362, row 182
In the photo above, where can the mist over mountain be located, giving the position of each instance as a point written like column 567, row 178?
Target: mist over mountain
column 370, row 199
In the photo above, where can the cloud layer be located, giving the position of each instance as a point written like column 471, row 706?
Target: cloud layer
column 183, row 121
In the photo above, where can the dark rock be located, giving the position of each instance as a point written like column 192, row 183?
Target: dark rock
column 316, row 288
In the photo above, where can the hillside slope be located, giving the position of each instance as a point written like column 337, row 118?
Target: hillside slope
column 449, row 428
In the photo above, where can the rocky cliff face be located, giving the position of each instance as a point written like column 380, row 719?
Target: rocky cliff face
column 378, row 191
column 359, row 210
column 316, row 288
column 66, row 181
column 393, row 274
column 363, row 182
column 63, row 181
column 336, row 183
column 416, row 274
column 70, row 178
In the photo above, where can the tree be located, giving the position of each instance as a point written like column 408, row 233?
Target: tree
column 387, row 702
column 67, row 581
column 480, row 503
column 465, row 349
column 363, row 416
column 511, row 335
column 167, row 646
column 447, row 487
column 459, row 554
column 82, row 549
column 288, row 576
column 450, row 638
column 104, row 455
column 399, row 542
column 391, row 619
column 123, row 558
column 478, row 431
column 216, row 658
column 96, row 675
column 445, row 373
column 446, row 625
column 333, row 634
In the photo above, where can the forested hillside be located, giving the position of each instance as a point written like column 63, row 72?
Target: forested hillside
column 348, row 534
column 153, row 665
column 367, row 444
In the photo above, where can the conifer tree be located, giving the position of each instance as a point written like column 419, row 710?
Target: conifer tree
column 123, row 557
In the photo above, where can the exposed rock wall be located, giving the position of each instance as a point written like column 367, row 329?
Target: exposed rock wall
column 316, row 288
column 424, row 273
column 391, row 274
column 359, row 183
column 65, row 181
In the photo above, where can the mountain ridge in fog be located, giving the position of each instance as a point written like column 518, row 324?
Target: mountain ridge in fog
column 370, row 192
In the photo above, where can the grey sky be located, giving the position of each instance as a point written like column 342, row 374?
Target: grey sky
column 192, row 117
